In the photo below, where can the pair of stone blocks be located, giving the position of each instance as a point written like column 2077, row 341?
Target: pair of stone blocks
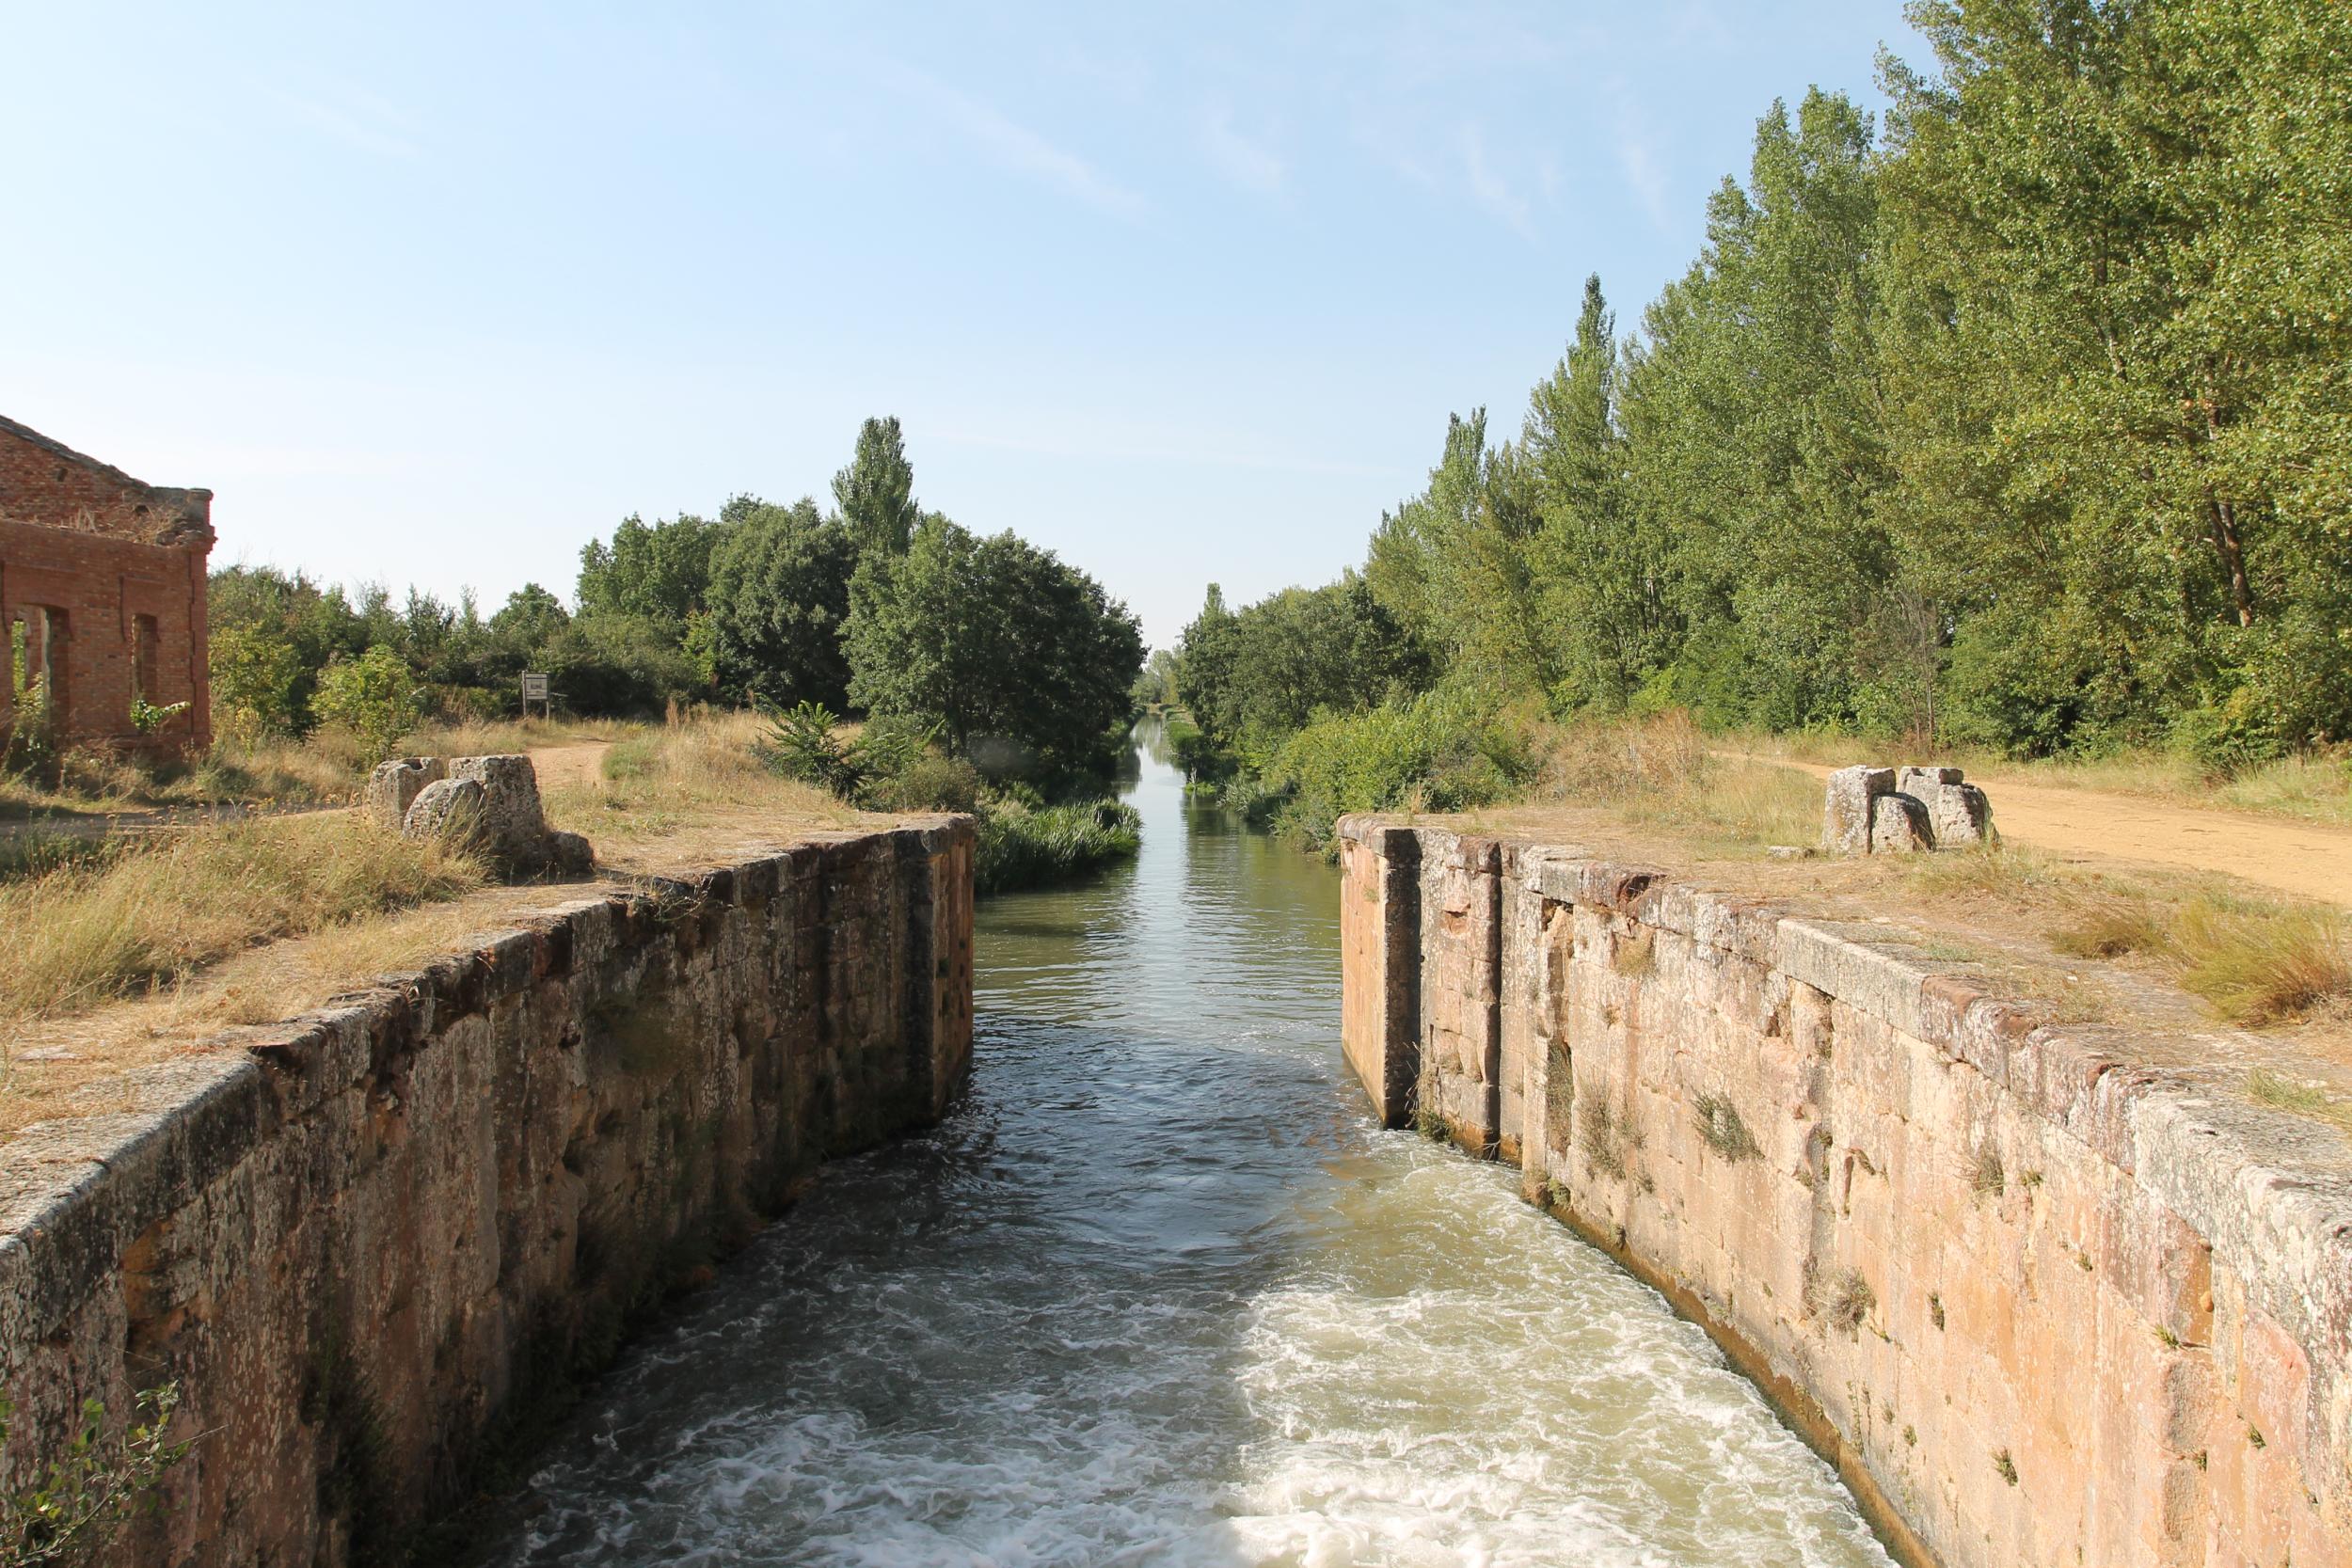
column 1880, row 811
column 493, row 801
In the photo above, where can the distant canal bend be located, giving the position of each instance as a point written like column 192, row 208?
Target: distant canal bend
column 1160, row 1292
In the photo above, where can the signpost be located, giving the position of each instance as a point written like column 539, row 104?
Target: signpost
column 536, row 691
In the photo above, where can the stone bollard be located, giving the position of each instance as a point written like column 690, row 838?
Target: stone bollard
column 1849, row 815
column 1899, row 811
column 492, row 802
column 446, row 808
column 1898, row 825
column 1958, row 815
column 393, row 787
column 514, row 827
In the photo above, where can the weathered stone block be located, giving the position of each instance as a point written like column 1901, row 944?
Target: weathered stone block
column 446, row 808
column 514, row 827
column 1910, row 780
column 1959, row 816
column 570, row 854
column 394, row 785
column 1848, row 815
column 1898, row 825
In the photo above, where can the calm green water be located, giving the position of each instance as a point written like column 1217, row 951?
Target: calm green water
column 1160, row 1292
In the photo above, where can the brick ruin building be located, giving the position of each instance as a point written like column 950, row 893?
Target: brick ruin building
column 101, row 595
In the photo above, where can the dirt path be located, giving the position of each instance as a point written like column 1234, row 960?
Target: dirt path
column 575, row 762
column 580, row 762
column 2303, row 858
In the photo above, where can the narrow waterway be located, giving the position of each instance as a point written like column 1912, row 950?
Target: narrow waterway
column 1160, row 1292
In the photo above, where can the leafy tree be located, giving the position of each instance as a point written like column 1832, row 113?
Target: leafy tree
column 779, row 598
column 2117, row 262
column 255, row 673
column 374, row 696
column 615, row 664
column 530, row 618
column 1752, row 446
column 1293, row 655
column 1157, row 685
column 661, row 572
column 1600, row 565
column 1023, row 662
column 1451, row 566
column 876, row 492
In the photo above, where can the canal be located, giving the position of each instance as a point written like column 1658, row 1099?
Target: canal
column 1159, row 1292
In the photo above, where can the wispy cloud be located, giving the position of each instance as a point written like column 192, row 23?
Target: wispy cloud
column 348, row 115
column 1192, row 449
column 1014, row 145
column 1637, row 159
column 1489, row 189
column 1243, row 162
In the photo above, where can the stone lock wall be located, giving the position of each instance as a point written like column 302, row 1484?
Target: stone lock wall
column 374, row 1242
column 2042, row 1306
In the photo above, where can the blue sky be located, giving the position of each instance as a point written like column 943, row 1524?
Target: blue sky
column 434, row 294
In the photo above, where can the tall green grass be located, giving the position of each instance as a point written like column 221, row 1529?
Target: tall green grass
column 1035, row 847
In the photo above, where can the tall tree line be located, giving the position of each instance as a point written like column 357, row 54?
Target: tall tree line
column 2024, row 417
column 876, row 607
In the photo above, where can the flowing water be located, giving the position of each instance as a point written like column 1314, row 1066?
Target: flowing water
column 1159, row 1292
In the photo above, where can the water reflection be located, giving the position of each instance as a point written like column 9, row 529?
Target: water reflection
column 1159, row 1292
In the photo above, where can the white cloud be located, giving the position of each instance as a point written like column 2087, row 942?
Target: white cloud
column 1016, row 147
column 1489, row 189
column 1637, row 159
column 347, row 115
column 1243, row 162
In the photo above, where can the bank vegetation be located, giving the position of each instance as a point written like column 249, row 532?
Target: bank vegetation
column 2015, row 424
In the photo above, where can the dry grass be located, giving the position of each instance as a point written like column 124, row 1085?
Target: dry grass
column 133, row 953
column 676, row 791
column 2266, row 1087
column 2258, row 962
column 2309, row 787
column 475, row 738
column 2261, row 963
column 150, row 913
column 1661, row 772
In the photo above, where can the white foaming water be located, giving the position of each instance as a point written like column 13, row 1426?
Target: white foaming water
column 1160, row 1293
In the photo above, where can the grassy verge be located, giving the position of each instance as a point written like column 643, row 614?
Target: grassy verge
column 2309, row 788
column 2258, row 962
column 1035, row 847
column 136, row 917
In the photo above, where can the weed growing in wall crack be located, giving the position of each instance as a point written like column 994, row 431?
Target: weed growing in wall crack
column 1721, row 1130
column 99, row 1482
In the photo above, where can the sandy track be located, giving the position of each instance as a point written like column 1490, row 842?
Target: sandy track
column 2304, row 858
column 580, row 762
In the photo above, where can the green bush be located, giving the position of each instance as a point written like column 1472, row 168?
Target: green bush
column 801, row 744
column 927, row 783
column 1022, row 847
column 374, row 697
column 1436, row 753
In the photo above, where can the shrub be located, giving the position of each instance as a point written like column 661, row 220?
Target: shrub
column 1434, row 753
column 801, row 744
column 1021, row 847
column 254, row 677
column 929, row 783
column 90, row 1489
column 374, row 697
